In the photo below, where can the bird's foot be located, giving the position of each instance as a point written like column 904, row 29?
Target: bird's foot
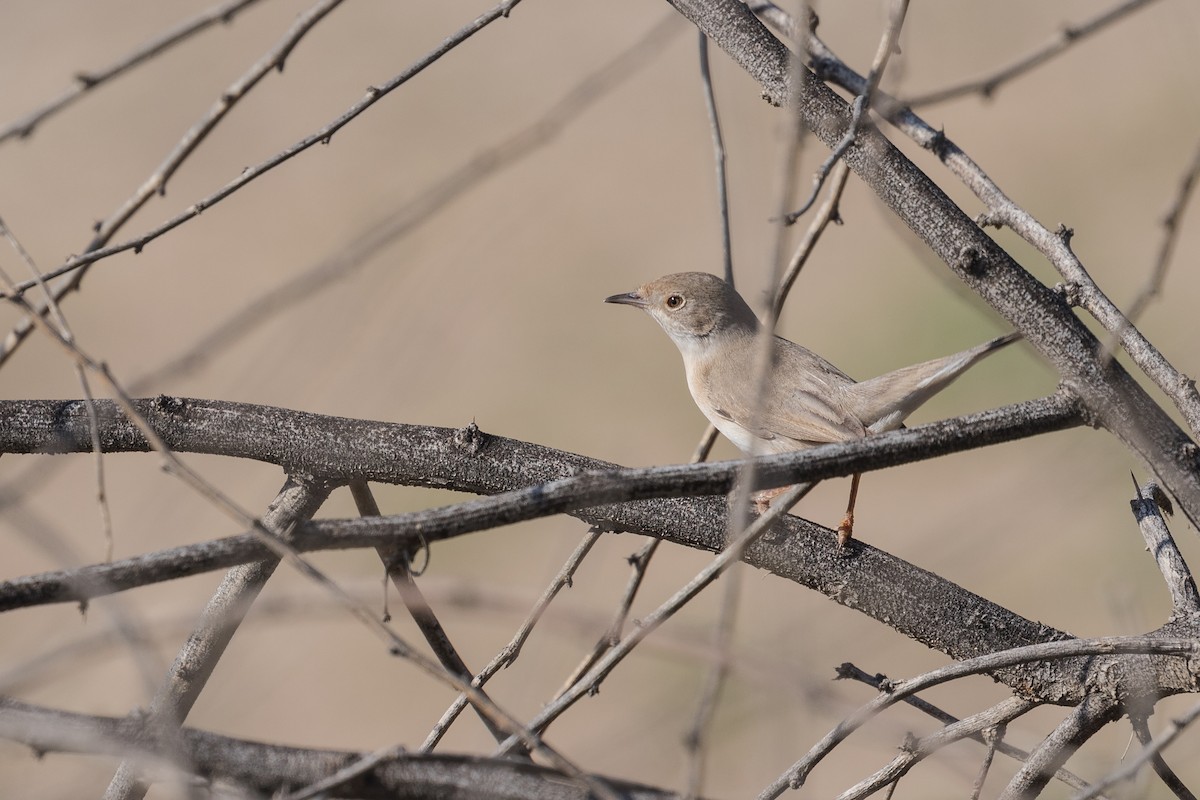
column 845, row 531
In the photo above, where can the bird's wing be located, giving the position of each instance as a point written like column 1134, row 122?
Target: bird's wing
column 802, row 407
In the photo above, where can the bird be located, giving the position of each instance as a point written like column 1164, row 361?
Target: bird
column 806, row 401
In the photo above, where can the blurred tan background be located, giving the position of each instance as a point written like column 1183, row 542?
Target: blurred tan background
column 491, row 310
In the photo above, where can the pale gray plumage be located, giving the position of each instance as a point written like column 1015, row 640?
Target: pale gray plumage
column 807, row 400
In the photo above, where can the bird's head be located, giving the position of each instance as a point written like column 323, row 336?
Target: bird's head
column 692, row 307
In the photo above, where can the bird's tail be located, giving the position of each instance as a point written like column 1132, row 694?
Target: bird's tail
column 883, row 403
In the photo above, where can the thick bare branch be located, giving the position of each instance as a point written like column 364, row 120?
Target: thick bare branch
column 860, row 577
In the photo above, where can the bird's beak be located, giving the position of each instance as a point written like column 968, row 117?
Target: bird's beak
column 628, row 299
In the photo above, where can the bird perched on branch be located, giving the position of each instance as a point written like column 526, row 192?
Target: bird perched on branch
column 806, row 400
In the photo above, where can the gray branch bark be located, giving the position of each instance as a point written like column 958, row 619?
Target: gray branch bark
column 539, row 481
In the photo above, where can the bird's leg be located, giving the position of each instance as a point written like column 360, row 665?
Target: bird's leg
column 762, row 499
column 845, row 531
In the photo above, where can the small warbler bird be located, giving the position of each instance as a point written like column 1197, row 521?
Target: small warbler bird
column 807, row 401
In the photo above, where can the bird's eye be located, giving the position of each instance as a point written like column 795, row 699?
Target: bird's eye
column 674, row 301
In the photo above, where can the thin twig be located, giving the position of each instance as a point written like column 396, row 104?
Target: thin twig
column 1066, row 38
column 1157, row 762
column 512, row 650
column 1166, row 249
column 862, row 103
column 827, row 213
column 356, row 768
column 695, row 741
column 86, row 81
column 714, row 125
column 994, row 736
column 396, row 564
column 639, row 563
column 722, row 562
column 64, row 330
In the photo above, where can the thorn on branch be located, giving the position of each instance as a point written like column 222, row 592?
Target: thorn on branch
column 1160, row 498
column 938, row 143
column 1191, row 452
column 1064, row 233
column 373, row 91
column 910, row 744
column 765, row 95
column 1069, row 292
column 469, row 438
column 989, row 219
column 85, row 80
column 969, row 260
column 170, row 405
